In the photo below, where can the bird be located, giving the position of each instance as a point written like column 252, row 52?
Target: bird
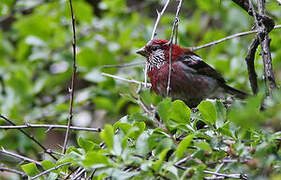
column 191, row 79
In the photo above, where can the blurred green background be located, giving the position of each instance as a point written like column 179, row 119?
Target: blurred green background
column 36, row 57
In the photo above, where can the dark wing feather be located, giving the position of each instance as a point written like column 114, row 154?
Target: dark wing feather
column 195, row 62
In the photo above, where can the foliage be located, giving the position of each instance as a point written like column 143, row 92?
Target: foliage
column 163, row 142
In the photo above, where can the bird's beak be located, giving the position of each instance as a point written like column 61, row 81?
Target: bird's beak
column 142, row 52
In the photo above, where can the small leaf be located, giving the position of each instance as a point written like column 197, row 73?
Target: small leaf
column 85, row 144
column 203, row 145
column 30, row 169
column 142, row 146
column 93, row 158
column 157, row 164
column 47, row 164
column 163, row 109
column 183, row 145
column 107, row 136
column 180, row 112
column 208, row 111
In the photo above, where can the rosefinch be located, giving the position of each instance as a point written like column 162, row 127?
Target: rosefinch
column 192, row 80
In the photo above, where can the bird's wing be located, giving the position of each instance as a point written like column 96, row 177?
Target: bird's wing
column 195, row 64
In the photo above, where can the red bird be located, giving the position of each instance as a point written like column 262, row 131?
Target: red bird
column 192, row 80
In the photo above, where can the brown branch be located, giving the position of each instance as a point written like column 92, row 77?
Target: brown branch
column 51, row 126
column 29, row 136
column 250, row 60
column 22, row 174
column 71, row 90
column 3, row 151
column 264, row 26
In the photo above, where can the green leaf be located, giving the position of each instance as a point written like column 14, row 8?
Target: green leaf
column 179, row 112
column 163, row 109
column 142, row 146
column 95, row 158
column 183, row 145
column 203, row 145
column 107, row 136
column 85, row 144
column 47, row 164
column 157, row 164
column 30, row 169
column 208, row 111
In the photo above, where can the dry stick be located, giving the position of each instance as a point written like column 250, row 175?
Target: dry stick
column 159, row 15
column 49, row 170
column 127, row 80
column 71, row 90
column 51, row 126
column 22, row 174
column 228, row 37
column 3, row 151
column 29, row 136
column 250, row 60
column 123, row 65
column 171, row 45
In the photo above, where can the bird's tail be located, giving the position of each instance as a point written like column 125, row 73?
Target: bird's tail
column 237, row 93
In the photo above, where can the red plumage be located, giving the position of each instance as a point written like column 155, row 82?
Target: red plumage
column 192, row 80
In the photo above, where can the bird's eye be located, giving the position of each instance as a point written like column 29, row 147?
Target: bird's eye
column 154, row 48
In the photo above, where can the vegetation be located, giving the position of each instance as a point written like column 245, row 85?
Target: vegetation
column 132, row 133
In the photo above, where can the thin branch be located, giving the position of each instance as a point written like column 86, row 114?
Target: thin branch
column 228, row 37
column 71, row 90
column 29, row 136
column 3, row 151
column 159, row 15
column 124, row 79
column 51, row 126
column 123, row 65
column 233, row 176
column 22, row 174
column 92, row 174
column 49, row 170
column 175, row 25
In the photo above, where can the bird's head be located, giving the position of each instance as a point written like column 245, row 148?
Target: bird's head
column 157, row 52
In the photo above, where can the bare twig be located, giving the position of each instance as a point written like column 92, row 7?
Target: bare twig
column 124, row 79
column 159, row 15
column 175, row 25
column 29, row 136
column 51, row 126
column 74, row 69
column 233, row 176
column 92, row 175
column 228, row 38
column 22, row 174
column 3, row 151
column 123, row 65
column 49, row 170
